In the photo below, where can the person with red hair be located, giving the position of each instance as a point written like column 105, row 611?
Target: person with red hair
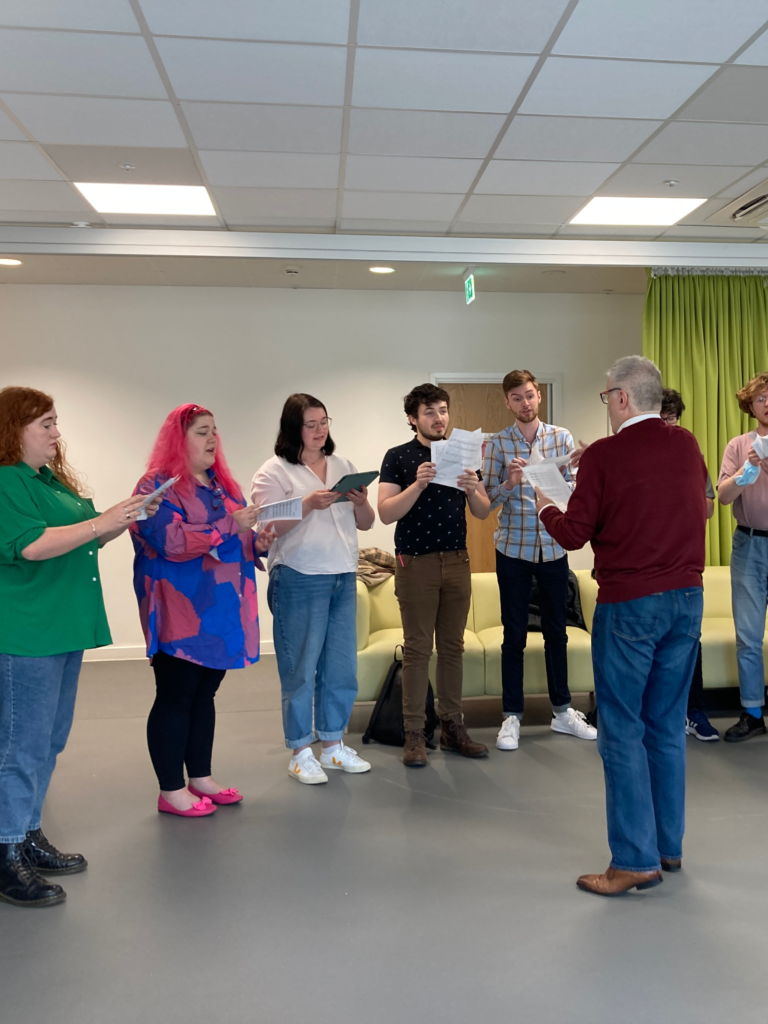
column 195, row 581
column 53, row 610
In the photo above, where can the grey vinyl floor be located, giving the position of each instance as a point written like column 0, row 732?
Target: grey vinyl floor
column 397, row 896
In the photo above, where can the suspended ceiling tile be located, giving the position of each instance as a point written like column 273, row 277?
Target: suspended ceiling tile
column 151, row 165
column 305, row 21
column 204, row 69
column 521, row 209
column 9, row 131
column 737, row 94
column 484, row 228
column 409, row 174
column 649, row 180
column 271, row 170
column 146, row 220
column 298, row 225
column 757, row 52
column 22, row 160
column 88, row 121
column 700, row 214
column 695, row 30
column 279, row 129
column 252, row 205
column 699, row 143
column 612, row 88
column 418, row 80
column 516, row 26
column 41, row 196
column 738, row 188
column 422, row 133
column 573, row 138
column 542, row 178
column 88, row 15
column 102, row 65
column 400, row 206
column 41, row 218
column 373, row 226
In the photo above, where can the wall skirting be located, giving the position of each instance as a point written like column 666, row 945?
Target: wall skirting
column 137, row 652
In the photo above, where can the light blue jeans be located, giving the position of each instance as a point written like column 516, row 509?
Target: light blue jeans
column 315, row 637
column 643, row 655
column 749, row 596
column 37, row 702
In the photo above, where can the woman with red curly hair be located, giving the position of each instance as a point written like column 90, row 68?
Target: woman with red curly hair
column 50, row 591
column 196, row 586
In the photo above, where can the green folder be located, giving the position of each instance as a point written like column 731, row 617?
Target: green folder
column 353, row 482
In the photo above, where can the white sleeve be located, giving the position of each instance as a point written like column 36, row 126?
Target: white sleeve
column 270, row 484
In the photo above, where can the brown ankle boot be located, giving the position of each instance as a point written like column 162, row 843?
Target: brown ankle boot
column 415, row 749
column 456, row 738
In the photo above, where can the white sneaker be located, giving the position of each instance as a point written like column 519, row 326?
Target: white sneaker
column 509, row 734
column 574, row 723
column 305, row 767
column 344, row 758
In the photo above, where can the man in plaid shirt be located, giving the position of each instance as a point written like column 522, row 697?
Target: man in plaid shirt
column 524, row 549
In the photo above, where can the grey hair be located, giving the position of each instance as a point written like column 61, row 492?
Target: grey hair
column 641, row 379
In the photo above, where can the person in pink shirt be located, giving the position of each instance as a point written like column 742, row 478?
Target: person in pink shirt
column 743, row 482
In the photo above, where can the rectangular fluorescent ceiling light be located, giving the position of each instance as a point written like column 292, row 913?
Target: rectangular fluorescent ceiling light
column 173, row 200
column 631, row 210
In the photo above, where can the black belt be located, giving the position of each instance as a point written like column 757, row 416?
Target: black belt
column 751, row 532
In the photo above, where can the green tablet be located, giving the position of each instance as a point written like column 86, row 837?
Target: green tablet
column 353, row 482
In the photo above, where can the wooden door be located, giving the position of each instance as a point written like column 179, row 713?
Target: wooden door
column 482, row 405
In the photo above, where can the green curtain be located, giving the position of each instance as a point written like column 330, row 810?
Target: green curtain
column 709, row 335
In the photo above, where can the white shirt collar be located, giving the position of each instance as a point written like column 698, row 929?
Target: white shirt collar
column 639, row 419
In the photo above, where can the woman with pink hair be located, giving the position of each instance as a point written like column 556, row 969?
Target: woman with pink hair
column 196, row 586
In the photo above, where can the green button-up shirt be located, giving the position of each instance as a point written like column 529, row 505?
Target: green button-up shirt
column 55, row 605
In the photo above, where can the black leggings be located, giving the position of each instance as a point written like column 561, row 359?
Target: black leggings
column 182, row 721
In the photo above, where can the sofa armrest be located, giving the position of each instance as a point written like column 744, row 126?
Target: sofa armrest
column 363, row 618
column 587, row 595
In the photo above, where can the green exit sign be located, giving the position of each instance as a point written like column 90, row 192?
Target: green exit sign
column 469, row 289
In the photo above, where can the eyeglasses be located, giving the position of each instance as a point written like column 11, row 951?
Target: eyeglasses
column 761, row 400
column 671, row 421
column 313, row 424
column 217, row 501
column 604, row 394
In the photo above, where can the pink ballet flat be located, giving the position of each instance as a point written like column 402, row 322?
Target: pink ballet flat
column 224, row 796
column 201, row 809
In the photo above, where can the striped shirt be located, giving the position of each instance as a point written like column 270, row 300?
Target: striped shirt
column 521, row 533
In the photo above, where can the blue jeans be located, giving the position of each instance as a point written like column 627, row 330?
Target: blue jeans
column 316, row 647
column 643, row 655
column 749, row 595
column 37, row 702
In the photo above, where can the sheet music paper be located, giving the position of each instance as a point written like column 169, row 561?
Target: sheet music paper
column 463, row 450
column 279, row 511
column 549, row 479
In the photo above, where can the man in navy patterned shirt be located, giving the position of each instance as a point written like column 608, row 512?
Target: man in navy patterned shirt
column 524, row 549
column 432, row 574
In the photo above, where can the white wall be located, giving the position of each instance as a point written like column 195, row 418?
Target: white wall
column 117, row 359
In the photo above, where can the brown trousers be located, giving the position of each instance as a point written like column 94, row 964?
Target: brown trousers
column 434, row 593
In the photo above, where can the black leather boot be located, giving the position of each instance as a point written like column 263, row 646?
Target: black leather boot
column 45, row 858
column 21, row 885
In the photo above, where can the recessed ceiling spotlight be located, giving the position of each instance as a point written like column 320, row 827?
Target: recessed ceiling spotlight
column 10, row 263
column 81, row 224
column 128, row 167
column 382, row 270
column 632, row 210
column 173, row 200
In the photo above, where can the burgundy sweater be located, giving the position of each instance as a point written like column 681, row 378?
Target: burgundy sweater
column 639, row 499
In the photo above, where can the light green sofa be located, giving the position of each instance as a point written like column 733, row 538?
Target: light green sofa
column 379, row 630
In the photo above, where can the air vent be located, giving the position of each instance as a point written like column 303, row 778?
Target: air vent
column 746, row 211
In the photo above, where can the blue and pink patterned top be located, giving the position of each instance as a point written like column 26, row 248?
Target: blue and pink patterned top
column 194, row 577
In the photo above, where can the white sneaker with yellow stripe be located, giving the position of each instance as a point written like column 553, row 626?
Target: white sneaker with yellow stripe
column 305, row 767
column 344, row 758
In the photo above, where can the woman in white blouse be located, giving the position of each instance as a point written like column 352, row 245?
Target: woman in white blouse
column 312, row 591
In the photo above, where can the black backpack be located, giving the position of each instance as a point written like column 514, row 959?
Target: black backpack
column 386, row 723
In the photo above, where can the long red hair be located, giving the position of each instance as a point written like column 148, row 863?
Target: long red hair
column 169, row 452
column 18, row 408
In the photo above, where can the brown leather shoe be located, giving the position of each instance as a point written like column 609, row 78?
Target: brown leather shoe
column 671, row 865
column 456, row 738
column 415, row 749
column 616, row 883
